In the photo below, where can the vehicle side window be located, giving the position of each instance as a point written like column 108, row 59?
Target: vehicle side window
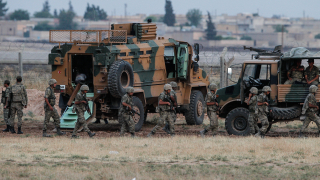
column 168, row 51
column 249, row 71
column 265, row 72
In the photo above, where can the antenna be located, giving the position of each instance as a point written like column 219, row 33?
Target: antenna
column 125, row 10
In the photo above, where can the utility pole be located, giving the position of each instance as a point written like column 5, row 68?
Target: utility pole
column 282, row 38
column 125, row 10
column 20, row 65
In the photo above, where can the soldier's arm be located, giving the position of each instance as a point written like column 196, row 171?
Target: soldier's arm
column 78, row 100
column 317, row 77
column 161, row 102
column 25, row 94
column 46, row 96
column 313, row 106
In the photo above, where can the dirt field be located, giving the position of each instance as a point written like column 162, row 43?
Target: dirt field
column 281, row 155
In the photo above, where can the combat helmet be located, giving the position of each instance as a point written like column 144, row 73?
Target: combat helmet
column 313, row 88
column 212, row 87
column 52, row 81
column 130, row 89
column 173, row 84
column 84, row 88
column 254, row 90
column 167, row 87
column 266, row 89
column 7, row 82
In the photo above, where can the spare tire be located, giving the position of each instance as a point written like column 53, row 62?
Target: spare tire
column 285, row 113
column 120, row 76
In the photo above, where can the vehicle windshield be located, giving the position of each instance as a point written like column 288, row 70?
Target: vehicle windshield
column 249, row 71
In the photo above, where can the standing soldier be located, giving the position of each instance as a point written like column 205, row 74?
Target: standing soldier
column 253, row 111
column 50, row 110
column 125, row 110
column 80, row 107
column 263, row 110
column 311, row 73
column 5, row 102
column 18, row 101
column 310, row 108
column 166, row 112
column 174, row 86
column 212, row 108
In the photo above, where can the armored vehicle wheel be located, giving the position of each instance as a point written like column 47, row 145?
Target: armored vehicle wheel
column 138, row 107
column 195, row 115
column 285, row 113
column 237, row 122
column 120, row 76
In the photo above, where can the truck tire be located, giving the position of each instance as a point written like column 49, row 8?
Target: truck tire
column 138, row 120
column 120, row 76
column 237, row 122
column 285, row 113
column 195, row 115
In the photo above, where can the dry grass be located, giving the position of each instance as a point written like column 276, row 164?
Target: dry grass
column 35, row 78
column 159, row 158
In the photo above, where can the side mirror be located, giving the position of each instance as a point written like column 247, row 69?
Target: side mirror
column 229, row 73
column 196, row 48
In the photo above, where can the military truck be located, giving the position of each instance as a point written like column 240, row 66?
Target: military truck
column 267, row 68
column 109, row 61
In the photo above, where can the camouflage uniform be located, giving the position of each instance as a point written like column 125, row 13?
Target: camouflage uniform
column 311, row 74
column 6, row 95
column 253, row 115
column 127, row 120
column 80, row 110
column 212, row 113
column 49, row 94
column 262, row 112
column 166, row 115
column 19, row 100
column 295, row 75
column 310, row 112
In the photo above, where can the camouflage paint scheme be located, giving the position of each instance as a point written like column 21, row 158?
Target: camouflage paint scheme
column 146, row 58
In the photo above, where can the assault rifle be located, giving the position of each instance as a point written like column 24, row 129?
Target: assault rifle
column 9, row 105
column 168, row 99
column 132, row 111
column 87, row 105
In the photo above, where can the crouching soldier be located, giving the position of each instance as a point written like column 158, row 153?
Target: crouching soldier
column 19, row 100
column 263, row 110
column 253, row 110
column 80, row 107
column 212, row 108
column 310, row 108
column 166, row 111
column 126, row 112
column 50, row 110
column 6, row 105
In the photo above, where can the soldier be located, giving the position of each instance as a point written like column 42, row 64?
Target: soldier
column 311, row 73
column 5, row 102
column 310, row 108
column 174, row 86
column 212, row 108
column 18, row 101
column 295, row 73
column 50, row 110
column 166, row 112
column 253, row 113
column 80, row 107
column 125, row 109
column 263, row 110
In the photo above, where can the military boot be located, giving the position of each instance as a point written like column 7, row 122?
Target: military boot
column 262, row 135
column 59, row 132
column 7, row 129
column 106, row 121
column 258, row 134
column 150, row 134
column 19, row 131
column 132, row 135
column 12, row 129
column 166, row 129
column 301, row 135
column 97, row 121
column 203, row 132
column 172, row 135
column 74, row 137
column 44, row 134
column 91, row 134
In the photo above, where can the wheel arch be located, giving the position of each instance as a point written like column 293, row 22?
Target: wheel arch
column 229, row 106
column 139, row 93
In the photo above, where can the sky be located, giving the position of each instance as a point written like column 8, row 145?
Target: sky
column 266, row 8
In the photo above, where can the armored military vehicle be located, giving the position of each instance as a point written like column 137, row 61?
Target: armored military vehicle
column 131, row 54
column 268, row 68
